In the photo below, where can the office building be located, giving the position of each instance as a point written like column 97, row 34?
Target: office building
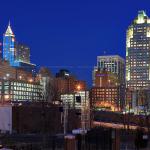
column 76, row 100
column 23, row 52
column 8, row 72
column 107, row 94
column 108, row 91
column 16, row 84
column 104, row 78
column 112, row 63
column 9, row 50
column 138, row 53
column 63, row 73
column 107, row 98
column 65, row 82
column 80, row 102
column 20, row 91
column 47, row 82
column 18, row 55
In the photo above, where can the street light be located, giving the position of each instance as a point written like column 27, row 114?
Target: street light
column 20, row 77
column 78, row 87
column 7, row 75
column 6, row 98
column 30, row 80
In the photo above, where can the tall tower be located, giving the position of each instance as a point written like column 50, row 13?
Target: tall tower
column 17, row 54
column 138, row 53
column 9, row 50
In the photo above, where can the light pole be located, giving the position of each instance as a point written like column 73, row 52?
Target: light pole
column 85, row 113
column 65, row 116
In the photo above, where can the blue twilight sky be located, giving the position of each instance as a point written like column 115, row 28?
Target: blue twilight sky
column 71, row 33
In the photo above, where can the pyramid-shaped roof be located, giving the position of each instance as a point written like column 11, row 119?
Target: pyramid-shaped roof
column 9, row 31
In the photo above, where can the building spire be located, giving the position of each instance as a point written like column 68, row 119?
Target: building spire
column 9, row 23
column 9, row 31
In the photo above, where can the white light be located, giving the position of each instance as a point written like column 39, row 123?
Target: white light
column 6, row 97
column 20, row 77
column 66, row 74
column 7, row 74
column 31, row 80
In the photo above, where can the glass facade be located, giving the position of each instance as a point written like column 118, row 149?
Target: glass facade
column 138, row 53
column 16, row 54
column 9, row 48
column 12, row 90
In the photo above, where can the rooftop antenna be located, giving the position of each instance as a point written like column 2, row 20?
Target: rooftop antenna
column 9, row 22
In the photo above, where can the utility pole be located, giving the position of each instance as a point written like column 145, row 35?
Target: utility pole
column 65, row 116
column 85, row 117
column 43, row 113
column 2, row 90
column 83, row 120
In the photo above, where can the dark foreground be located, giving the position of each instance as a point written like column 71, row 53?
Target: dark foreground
column 96, row 139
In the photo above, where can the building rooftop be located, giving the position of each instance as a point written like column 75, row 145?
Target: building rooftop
column 9, row 31
column 141, row 18
column 110, row 56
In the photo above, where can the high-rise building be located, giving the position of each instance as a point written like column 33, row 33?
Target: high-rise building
column 18, row 55
column 138, row 53
column 22, row 53
column 114, row 64
column 9, row 50
column 108, row 91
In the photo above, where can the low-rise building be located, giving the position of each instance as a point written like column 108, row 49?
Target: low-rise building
column 107, row 98
column 17, row 90
column 76, row 100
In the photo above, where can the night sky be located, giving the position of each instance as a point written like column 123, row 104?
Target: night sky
column 71, row 34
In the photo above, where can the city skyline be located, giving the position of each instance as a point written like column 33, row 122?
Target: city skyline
column 75, row 75
column 71, row 32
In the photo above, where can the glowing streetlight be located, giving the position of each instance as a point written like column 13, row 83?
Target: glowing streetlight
column 78, row 87
column 20, row 77
column 7, row 75
column 31, row 80
column 6, row 97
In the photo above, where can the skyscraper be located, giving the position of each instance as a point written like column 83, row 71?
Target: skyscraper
column 9, row 51
column 18, row 55
column 138, row 53
column 22, row 52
